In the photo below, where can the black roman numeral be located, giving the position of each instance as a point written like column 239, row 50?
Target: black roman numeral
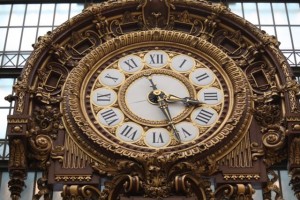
column 131, row 64
column 210, row 96
column 183, row 62
column 103, row 97
column 204, row 116
column 202, row 77
column 129, row 132
column 157, row 138
column 156, row 58
column 185, row 133
column 111, row 77
column 109, row 116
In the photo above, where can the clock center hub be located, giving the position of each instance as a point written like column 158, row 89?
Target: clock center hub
column 153, row 96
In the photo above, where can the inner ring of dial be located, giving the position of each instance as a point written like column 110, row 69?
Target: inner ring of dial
column 151, row 98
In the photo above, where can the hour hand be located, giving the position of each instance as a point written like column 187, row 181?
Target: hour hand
column 188, row 101
column 148, row 76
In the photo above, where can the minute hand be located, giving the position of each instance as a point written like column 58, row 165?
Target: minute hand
column 186, row 100
column 163, row 105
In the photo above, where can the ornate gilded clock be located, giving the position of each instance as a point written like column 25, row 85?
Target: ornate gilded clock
column 139, row 99
column 165, row 95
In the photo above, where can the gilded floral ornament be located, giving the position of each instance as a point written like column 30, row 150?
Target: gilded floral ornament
column 267, row 114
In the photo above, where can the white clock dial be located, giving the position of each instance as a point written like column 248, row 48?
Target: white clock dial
column 204, row 116
column 156, row 59
column 137, row 97
column 202, row 77
column 103, row 97
column 182, row 63
column 131, row 64
column 187, row 131
column 110, row 117
column 111, row 77
column 210, row 96
column 157, row 137
column 130, row 132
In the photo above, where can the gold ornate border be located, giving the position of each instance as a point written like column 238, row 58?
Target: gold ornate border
column 235, row 125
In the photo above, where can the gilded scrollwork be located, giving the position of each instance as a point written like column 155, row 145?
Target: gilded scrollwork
column 47, row 120
column 43, row 189
column 271, row 186
column 234, row 191
column 267, row 114
column 273, row 137
column 192, row 186
column 102, row 27
column 209, row 26
column 127, row 23
column 252, row 53
column 76, row 192
column 42, row 131
column 41, row 146
column 62, row 55
column 57, row 153
column 257, row 151
column 158, row 177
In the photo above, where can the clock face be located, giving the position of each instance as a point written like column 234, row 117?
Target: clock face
column 157, row 98
column 174, row 94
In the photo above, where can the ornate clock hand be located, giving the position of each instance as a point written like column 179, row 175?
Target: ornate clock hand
column 163, row 105
column 188, row 101
column 148, row 76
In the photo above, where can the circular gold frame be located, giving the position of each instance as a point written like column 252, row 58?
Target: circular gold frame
column 230, row 130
